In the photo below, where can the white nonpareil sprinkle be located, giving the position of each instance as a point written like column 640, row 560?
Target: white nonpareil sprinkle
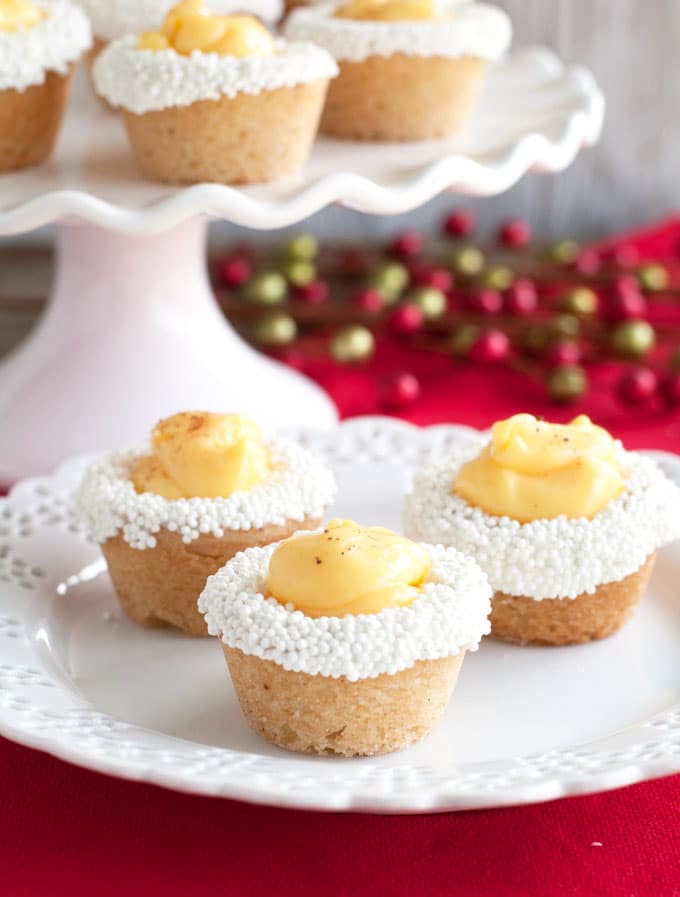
column 450, row 616
column 26, row 55
column 560, row 558
column 116, row 18
column 147, row 80
column 475, row 29
column 297, row 486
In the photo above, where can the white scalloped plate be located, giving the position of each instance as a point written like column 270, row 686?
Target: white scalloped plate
column 535, row 115
column 79, row 680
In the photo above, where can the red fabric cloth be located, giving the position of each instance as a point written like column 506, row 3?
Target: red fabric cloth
column 65, row 831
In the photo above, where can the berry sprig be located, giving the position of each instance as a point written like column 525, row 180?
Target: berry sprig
column 551, row 312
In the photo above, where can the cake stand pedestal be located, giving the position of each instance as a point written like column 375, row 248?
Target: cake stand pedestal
column 131, row 317
column 132, row 331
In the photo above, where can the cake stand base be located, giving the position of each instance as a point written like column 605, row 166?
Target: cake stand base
column 131, row 333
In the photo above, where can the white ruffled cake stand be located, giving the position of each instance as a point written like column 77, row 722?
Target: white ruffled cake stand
column 132, row 331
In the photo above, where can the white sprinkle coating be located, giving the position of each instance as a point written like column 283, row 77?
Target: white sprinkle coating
column 475, row 29
column 450, row 616
column 60, row 38
column 115, row 18
column 559, row 558
column 297, row 487
column 147, row 80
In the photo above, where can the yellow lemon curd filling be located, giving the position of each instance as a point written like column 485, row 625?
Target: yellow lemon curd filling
column 16, row 14
column 534, row 470
column 347, row 569
column 190, row 26
column 196, row 454
column 391, row 10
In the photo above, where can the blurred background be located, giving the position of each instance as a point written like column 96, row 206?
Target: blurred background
column 630, row 178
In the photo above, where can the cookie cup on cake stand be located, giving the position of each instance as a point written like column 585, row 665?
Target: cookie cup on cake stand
column 409, row 69
column 40, row 45
column 360, row 684
column 111, row 19
column 559, row 580
column 246, row 112
column 161, row 551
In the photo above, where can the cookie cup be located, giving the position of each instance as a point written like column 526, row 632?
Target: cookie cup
column 353, row 686
column 560, row 581
column 160, row 553
column 206, row 117
column 35, row 82
column 404, row 81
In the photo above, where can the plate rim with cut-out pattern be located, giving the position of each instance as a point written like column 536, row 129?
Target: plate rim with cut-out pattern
column 38, row 709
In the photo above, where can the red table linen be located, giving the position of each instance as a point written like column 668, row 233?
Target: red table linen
column 65, row 831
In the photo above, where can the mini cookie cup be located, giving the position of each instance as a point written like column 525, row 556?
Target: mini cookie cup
column 402, row 81
column 212, row 118
column 353, row 686
column 160, row 553
column 560, row 581
column 35, row 83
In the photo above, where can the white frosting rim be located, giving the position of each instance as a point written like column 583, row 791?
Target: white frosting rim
column 450, row 616
column 478, row 30
column 298, row 486
column 56, row 41
column 559, row 558
column 115, row 18
column 147, row 80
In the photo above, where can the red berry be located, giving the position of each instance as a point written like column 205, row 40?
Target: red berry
column 638, row 386
column 588, row 262
column 670, row 388
column 460, row 224
column 437, row 278
column 485, row 302
column 235, row 271
column 398, row 390
column 406, row 245
column 521, row 298
column 515, row 234
column 626, row 256
column 406, row 319
column 491, row 347
column 314, row 293
column 625, row 283
column 369, row 300
column 564, row 353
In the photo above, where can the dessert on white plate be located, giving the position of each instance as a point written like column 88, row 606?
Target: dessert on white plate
column 346, row 641
column 209, row 486
column 210, row 98
column 565, row 523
